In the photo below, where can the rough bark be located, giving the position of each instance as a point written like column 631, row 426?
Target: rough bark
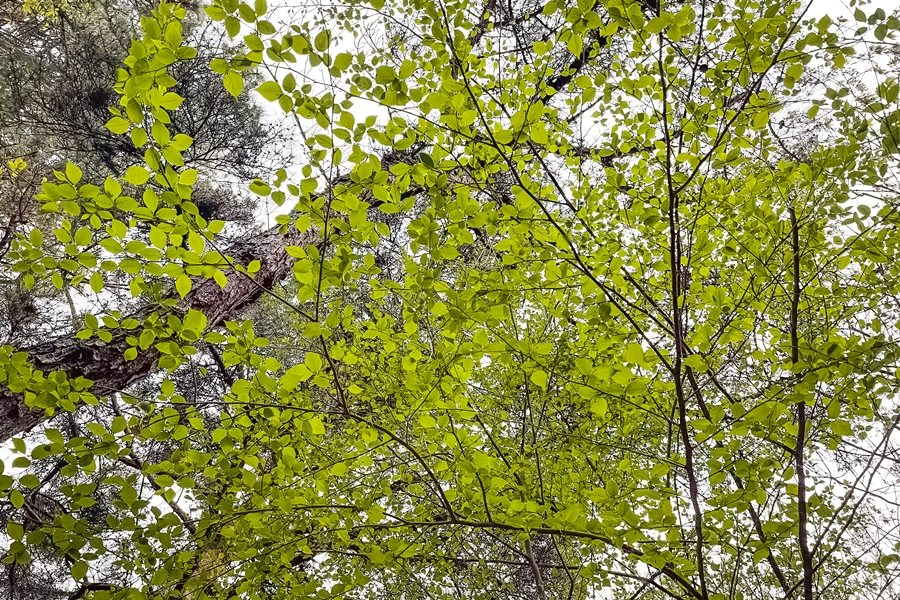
column 104, row 364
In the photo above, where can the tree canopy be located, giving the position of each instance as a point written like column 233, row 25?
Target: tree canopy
column 566, row 299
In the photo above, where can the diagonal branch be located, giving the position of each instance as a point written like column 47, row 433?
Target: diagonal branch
column 104, row 362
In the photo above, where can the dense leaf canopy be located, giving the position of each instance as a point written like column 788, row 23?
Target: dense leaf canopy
column 590, row 299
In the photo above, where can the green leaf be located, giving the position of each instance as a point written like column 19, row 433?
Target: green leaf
column 233, row 82
column 29, row 481
column 599, row 406
column 270, row 90
column 194, row 319
column 158, row 237
column 160, row 133
column 575, row 44
column 183, row 285
column 260, row 188
column 322, row 41
column 696, row 362
column 385, row 75
column 118, row 125
column 171, row 101
column 841, row 428
column 655, row 25
column 539, row 378
column 313, row 361
column 232, row 26
column 215, row 13
column 137, row 175
column 760, row 119
column 634, row 354
column 73, row 173
column 139, row 137
column 79, row 570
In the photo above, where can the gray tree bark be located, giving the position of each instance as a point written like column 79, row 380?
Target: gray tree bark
column 104, row 363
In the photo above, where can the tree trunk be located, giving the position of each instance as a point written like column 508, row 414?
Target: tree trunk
column 104, row 364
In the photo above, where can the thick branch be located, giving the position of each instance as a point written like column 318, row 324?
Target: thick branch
column 803, row 536
column 104, row 364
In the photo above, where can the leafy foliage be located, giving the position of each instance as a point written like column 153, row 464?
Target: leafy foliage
column 586, row 300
